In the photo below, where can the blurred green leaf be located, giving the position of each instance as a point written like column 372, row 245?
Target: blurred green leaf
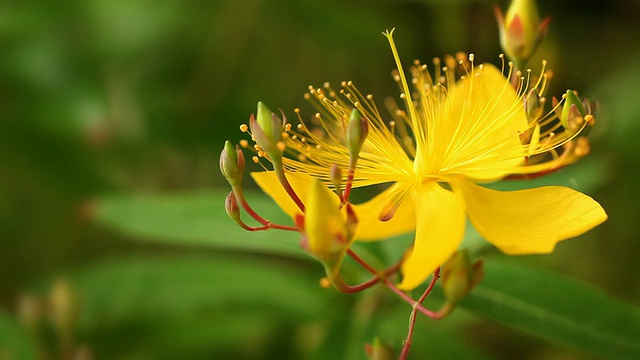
column 173, row 287
column 14, row 341
column 193, row 304
column 558, row 309
column 197, row 219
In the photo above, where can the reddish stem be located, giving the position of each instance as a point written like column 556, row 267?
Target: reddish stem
column 404, row 296
column 352, row 289
column 266, row 223
column 240, row 198
column 412, row 318
column 279, row 170
column 348, row 186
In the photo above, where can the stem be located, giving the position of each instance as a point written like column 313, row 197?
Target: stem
column 237, row 191
column 240, row 198
column 265, row 227
column 347, row 187
column 279, row 170
column 412, row 318
column 352, row 289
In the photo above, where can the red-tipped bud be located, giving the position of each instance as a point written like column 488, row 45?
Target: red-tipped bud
column 232, row 208
column 521, row 30
column 267, row 129
column 232, row 163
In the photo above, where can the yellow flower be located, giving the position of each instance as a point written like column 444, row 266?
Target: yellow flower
column 453, row 135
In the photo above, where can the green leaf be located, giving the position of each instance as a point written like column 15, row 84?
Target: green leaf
column 197, row 219
column 558, row 309
column 173, row 287
column 14, row 341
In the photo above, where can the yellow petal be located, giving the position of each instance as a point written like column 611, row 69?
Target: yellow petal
column 440, row 229
column 403, row 220
column 477, row 133
column 268, row 182
column 529, row 221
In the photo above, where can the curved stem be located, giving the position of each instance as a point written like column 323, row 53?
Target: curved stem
column 279, row 170
column 379, row 276
column 237, row 191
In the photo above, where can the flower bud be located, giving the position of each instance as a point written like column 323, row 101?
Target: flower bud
column 521, row 31
column 324, row 226
column 378, row 351
column 459, row 276
column 231, row 207
column 336, row 177
column 571, row 109
column 357, row 131
column 232, row 163
column 533, row 105
column 267, row 130
column 64, row 310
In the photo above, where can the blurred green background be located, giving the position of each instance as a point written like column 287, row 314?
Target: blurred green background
column 113, row 114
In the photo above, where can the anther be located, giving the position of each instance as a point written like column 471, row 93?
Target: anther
column 244, row 128
column 299, row 127
column 255, row 159
column 287, row 127
column 281, row 145
column 326, row 85
column 590, row 119
column 244, row 143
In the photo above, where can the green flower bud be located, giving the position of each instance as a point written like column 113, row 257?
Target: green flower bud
column 459, row 276
column 267, row 129
column 336, row 177
column 357, row 131
column 571, row 109
column 534, row 105
column 64, row 310
column 231, row 207
column 232, row 163
column 378, row 351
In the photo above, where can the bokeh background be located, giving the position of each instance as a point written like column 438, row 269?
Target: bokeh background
column 113, row 238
